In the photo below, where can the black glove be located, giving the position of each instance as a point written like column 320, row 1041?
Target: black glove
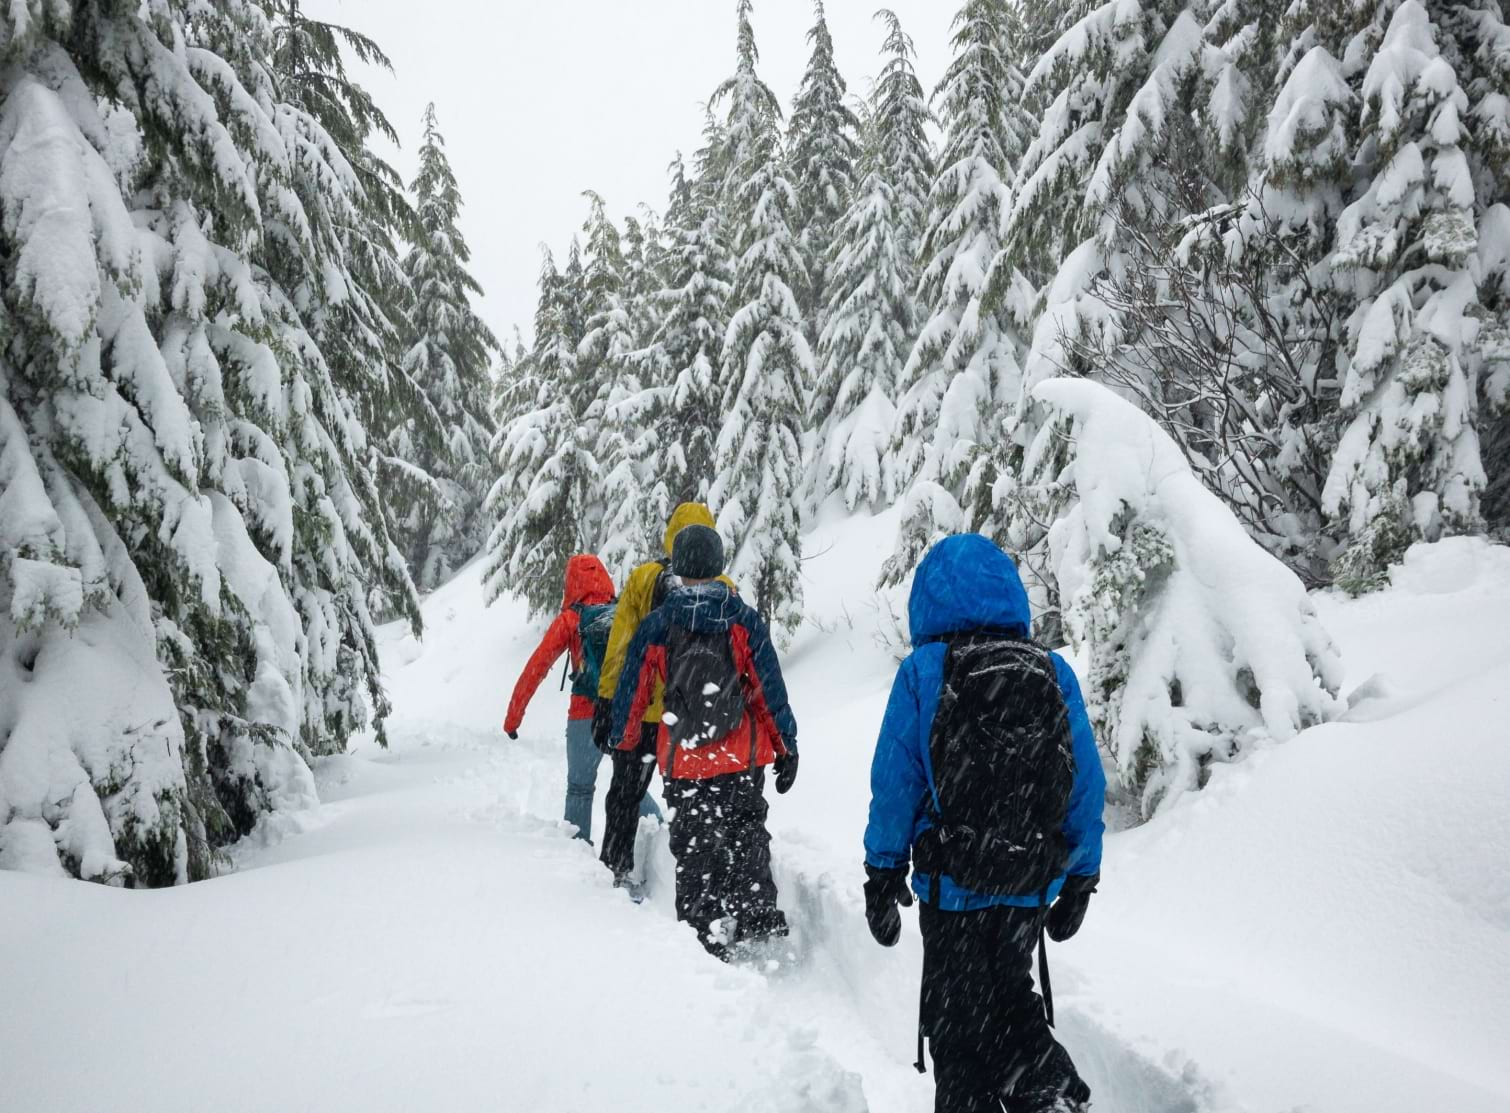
column 1068, row 911
column 602, row 725
column 786, row 771
column 513, row 735
column 884, row 890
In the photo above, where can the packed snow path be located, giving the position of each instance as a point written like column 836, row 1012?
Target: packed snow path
column 1325, row 929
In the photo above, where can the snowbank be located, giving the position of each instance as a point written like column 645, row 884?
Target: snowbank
column 1330, row 920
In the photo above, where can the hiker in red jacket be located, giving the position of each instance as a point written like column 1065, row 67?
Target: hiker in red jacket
column 580, row 630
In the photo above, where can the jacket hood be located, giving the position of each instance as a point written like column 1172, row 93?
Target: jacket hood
column 587, row 581
column 967, row 583
column 706, row 608
column 687, row 514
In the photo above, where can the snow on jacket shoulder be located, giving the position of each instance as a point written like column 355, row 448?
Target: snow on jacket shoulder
column 966, row 583
column 587, row 583
column 711, row 607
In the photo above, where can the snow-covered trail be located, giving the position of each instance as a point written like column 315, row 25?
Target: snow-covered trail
column 420, row 942
column 428, row 939
column 1325, row 929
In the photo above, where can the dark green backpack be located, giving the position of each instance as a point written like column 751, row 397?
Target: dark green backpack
column 595, row 623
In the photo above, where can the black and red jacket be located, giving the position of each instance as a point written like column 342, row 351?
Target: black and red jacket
column 707, row 608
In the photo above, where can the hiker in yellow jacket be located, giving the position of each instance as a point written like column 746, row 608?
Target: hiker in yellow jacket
column 646, row 587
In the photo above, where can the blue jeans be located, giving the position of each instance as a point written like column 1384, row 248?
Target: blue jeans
column 582, row 759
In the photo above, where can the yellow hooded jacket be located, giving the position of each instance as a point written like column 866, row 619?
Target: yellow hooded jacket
column 634, row 605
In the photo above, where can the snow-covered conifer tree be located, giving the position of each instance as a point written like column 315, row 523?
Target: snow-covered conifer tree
column 361, row 323
column 822, row 149
column 189, row 517
column 1408, row 465
column 1482, row 61
column 514, row 385
column 448, row 357
column 544, row 501
column 872, row 316
column 644, row 274
column 766, row 358
column 607, row 374
column 677, row 415
column 965, row 362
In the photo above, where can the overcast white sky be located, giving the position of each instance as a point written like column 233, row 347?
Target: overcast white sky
column 541, row 99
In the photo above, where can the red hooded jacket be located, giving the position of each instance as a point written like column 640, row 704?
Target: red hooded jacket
column 587, row 582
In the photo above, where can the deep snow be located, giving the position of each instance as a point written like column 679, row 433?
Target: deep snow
column 1326, row 927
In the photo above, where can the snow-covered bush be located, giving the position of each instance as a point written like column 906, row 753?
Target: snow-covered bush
column 1198, row 644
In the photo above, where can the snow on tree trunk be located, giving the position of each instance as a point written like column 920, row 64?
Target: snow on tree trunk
column 1199, row 645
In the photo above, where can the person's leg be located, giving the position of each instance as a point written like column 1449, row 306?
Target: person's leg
column 1050, row 1085
column 696, row 847
column 747, row 888
column 632, row 771
column 648, row 806
column 1041, row 1077
column 997, row 1039
column 957, row 1012
column 582, row 759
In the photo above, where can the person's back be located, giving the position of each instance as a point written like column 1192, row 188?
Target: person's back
column 726, row 719
column 987, row 778
column 634, row 759
column 644, row 590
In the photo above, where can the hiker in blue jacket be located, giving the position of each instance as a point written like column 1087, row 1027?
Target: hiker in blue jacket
column 986, row 779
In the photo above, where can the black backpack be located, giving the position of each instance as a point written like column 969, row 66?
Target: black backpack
column 666, row 581
column 1003, row 767
column 705, row 697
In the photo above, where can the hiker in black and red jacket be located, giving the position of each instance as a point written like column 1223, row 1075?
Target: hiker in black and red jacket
column 726, row 718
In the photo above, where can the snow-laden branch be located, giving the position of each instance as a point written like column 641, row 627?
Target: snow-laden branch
column 1198, row 644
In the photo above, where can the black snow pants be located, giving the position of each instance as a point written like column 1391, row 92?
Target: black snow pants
column 985, row 1023
column 724, row 887
column 632, row 771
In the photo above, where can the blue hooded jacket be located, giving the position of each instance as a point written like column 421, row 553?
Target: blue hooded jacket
column 965, row 583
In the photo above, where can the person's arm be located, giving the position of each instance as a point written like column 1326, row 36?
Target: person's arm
column 557, row 640
column 772, row 685
column 898, row 781
column 1083, row 825
column 644, row 666
column 634, row 605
